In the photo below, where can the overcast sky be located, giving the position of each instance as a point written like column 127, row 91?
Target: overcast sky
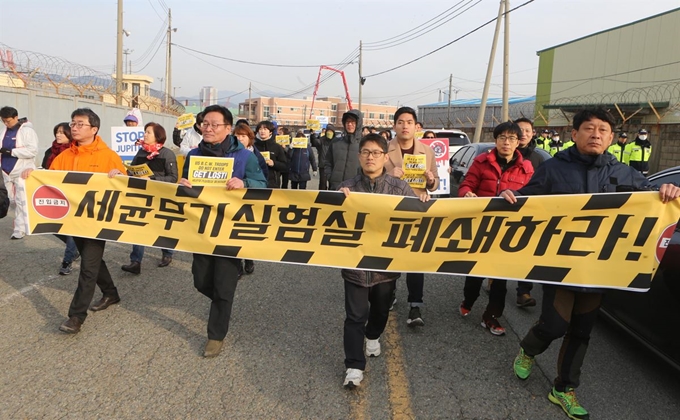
column 312, row 33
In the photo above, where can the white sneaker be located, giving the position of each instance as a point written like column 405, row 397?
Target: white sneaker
column 373, row 347
column 353, row 378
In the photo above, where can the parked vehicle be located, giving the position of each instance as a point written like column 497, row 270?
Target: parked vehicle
column 457, row 138
column 651, row 317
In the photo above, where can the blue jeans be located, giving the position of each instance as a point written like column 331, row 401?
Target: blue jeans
column 138, row 253
column 71, row 251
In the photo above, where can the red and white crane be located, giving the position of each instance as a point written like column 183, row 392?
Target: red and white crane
column 316, row 88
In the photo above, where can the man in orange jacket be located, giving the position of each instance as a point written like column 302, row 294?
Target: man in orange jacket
column 88, row 153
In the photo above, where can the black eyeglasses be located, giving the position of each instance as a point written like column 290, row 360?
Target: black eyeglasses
column 429, row 137
column 374, row 153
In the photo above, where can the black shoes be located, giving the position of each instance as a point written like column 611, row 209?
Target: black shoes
column 249, row 266
column 71, row 325
column 104, row 303
column 165, row 262
column 134, row 267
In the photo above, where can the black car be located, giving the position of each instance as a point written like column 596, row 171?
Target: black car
column 461, row 160
column 652, row 317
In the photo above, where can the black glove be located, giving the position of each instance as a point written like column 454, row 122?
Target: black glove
column 6, row 151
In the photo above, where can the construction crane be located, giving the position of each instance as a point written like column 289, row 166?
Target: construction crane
column 316, row 88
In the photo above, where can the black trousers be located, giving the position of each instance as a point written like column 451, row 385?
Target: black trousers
column 284, row 180
column 93, row 271
column 216, row 277
column 524, row 287
column 367, row 310
column 323, row 180
column 415, row 283
column 564, row 313
column 497, row 294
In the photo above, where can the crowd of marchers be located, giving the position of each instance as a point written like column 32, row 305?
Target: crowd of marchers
column 358, row 160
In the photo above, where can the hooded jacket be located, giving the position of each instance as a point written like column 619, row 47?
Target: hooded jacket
column 322, row 143
column 299, row 161
column 276, row 154
column 486, row 179
column 26, row 148
column 342, row 157
column 94, row 157
column 384, row 184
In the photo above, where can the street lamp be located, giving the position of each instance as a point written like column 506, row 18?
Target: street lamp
column 174, row 90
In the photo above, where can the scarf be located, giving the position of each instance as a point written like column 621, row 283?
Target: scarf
column 217, row 150
column 56, row 149
column 152, row 149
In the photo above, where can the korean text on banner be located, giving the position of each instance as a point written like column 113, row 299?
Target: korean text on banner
column 124, row 141
column 185, row 121
column 299, row 143
column 414, row 168
column 313, row 125
column 210, row 170
column 283, row 140
column 591, row 240
column 441, row 154
column 142, row 170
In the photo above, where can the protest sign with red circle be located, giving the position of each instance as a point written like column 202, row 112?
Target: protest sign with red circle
column 50, row 202
column 663, row 241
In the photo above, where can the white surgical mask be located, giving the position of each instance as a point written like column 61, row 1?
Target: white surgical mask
column 643, row 136
column 556, row 138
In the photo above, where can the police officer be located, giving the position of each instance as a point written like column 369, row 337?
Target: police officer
column 568, row 144
column 641, row 150
column 543, row 141
column 556, row 144
column 621, row 149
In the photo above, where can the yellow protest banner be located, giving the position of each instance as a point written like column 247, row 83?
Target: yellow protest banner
column 265, row 155
column 299, row 143
column 283, row 140
column 314, row 125
column 592, row 240
column 210, row 170
column 142, row 170
column 185, row 121
column 414, row 170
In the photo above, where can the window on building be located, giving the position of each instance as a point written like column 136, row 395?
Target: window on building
column 321, row 112
column 390, row 117
column 382, row 116
column 334, row 107
column 125, row 86
column 278, row 110
column 266, row 111
column 333, row 119
column 371, row 115
column 292, row 109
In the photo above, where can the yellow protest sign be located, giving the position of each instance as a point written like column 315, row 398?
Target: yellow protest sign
column 419, row 135
column 414, row 170
column 142, row 170
column 265, row 155
column 210, row 170
column 592, row 240
column 283, row 140
column 299, row 143
column 314, row 125
column 185, row 121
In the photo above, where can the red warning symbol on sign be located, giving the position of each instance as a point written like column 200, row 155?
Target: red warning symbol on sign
column 50, row 202
column 662, row 244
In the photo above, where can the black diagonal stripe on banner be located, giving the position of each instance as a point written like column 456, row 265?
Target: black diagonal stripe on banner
column 137, row 183
column 500, row 204
column 192, row 192
column 606, row 201
column 47, row 228
column 165, row 242
column 78, row 178
column 641, row 281
column 332, row 198
column 553, row 274
column 374, row 263
column 226, row 251
column 109, row 234
column 299, row 257
column 413, row 204
column 257, row 194
column 457, row 267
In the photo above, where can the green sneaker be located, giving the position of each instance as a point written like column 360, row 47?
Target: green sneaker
column 523, row 365
column 567, row 400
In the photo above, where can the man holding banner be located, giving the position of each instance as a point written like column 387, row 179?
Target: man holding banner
column 215, row 276
column 415, row 162
column 571, row 311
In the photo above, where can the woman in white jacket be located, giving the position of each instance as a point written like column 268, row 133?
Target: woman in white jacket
column 18, row 151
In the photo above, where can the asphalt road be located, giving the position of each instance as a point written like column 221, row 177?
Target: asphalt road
column 283, row 357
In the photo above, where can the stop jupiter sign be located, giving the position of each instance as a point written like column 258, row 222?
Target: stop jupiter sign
column 662, row 244
column 50, row 202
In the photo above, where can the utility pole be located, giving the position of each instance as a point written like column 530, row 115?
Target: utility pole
column 168, row 61
column 448, row 110
column 119, row 56
column 127, row 52
column 440, row 96
column 506, row 61
column 361, row 78
column 487, row 82
column 250, row 94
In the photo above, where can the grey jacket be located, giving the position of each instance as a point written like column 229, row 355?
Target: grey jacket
column 342, row 157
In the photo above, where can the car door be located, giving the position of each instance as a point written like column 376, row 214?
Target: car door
column 460, row 162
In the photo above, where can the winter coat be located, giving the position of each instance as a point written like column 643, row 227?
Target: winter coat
column 486, row 179
column 246, row 167
column 342, row 157
column 384, row 184
column 419, row 148
column 26, row 148
column 299, row 161
column 322, row 143
column 190, row 141
column 4, row 198
column 94, row 157
column 529, row 153
column 276, row 154
column 163, row 165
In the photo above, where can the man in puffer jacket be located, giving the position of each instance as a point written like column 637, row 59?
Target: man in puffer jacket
column 341, row 161
column 322, row 144
column 368, row 294
column 586, row 167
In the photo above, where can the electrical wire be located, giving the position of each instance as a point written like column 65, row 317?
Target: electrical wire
column 449, row 43
column 153, row 56
column 163, row 5
column 154, row 9
column 408, row 94
column 148, row 51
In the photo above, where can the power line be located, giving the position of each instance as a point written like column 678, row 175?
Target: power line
column 154, row 9
column 160, row 44
column 448, row 44
column 253, row 62
column 163, row 5
column 408, row 94
column 148, row 51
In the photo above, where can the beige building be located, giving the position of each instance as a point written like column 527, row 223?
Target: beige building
column 294, row 112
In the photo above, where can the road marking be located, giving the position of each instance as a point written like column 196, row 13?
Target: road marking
column 357, row 407
column 397, row 383
column 33, row 286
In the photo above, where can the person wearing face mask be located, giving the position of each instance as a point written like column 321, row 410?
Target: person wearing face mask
column 556, row 144
column 640, row 151
column 322, row 143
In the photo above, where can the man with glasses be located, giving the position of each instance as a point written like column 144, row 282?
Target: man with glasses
column 404, row 142
column 216, row 277
column 341, row 158
column 368, row 294
column 19, row 147
column 88, row 153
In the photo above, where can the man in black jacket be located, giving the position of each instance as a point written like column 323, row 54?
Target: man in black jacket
column 341, row 161
column 322, row 144
column 585, row 168
column 265, row 141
